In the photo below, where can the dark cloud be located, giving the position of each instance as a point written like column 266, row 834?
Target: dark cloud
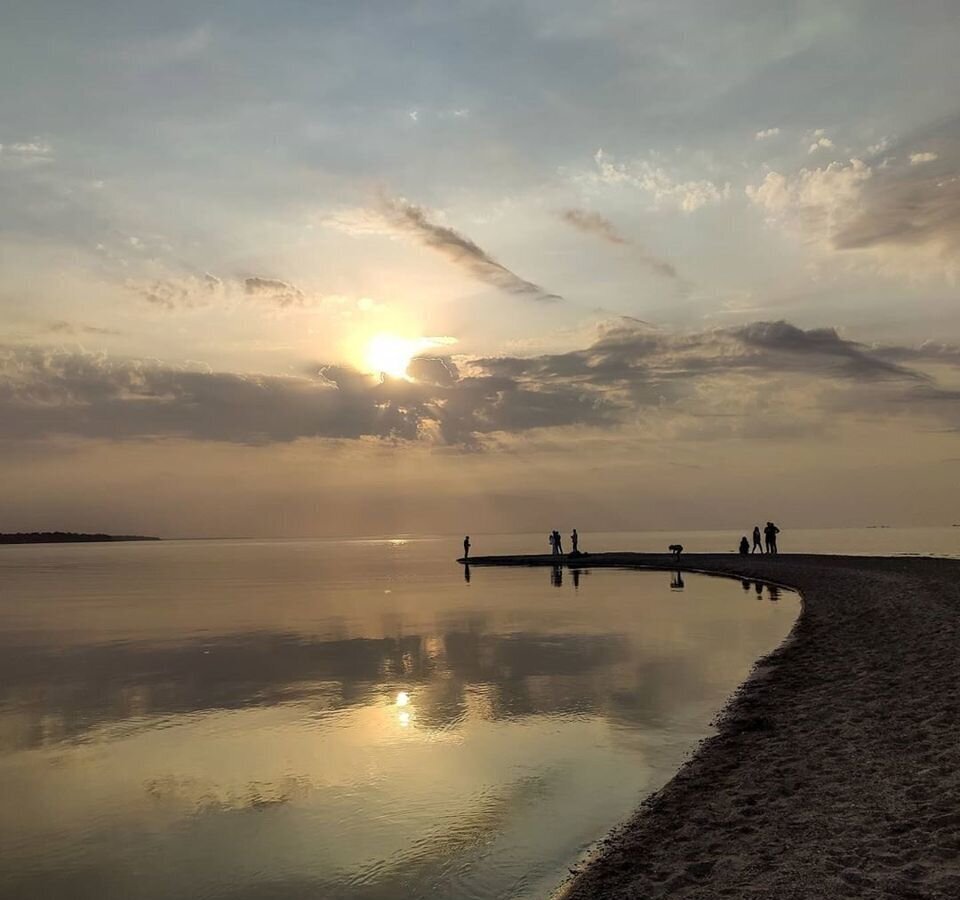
column 627, row 369
column 459, row 249
column 915, row 201
column 850, row 358
column 273, row 290
column 595, row 224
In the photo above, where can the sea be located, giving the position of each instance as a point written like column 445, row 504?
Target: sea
column 362, row 718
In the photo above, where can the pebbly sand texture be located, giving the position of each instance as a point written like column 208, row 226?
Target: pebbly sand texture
column 836, row 769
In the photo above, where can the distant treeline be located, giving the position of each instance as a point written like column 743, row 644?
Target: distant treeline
column 67, row 537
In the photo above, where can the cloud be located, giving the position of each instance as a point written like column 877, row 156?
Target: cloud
column 629, row 371
column 820, row 142
column 765, row 133
column 905, row 210
column 282, row 293
column 26, row 153
column 817, row 202
column 595, row 224
column 410, row 219
column 664, row 189
column 73, row 329
column 193, row 291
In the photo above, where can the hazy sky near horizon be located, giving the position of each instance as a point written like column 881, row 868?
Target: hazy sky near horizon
column 656, row 265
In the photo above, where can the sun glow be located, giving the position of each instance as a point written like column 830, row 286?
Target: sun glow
column 390, row 354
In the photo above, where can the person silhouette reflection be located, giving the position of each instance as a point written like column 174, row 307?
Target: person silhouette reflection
column 466, row 574
column 759, row 588
column 576, row 579
column 757, row 543
column 556, row 576
column 676, row 581
column 774, row 592
column 745, row 584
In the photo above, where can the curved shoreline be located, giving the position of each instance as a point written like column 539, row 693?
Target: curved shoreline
column 835, row 771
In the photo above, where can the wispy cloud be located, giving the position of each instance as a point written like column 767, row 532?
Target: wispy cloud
column 765, row 133
column 76, row 329
column 459, row 249
column 595, row 224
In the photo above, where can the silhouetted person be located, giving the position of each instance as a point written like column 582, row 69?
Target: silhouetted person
column 676, row 550
column 559, row 545
column 757, row 543
column 466, row 574
column 466, row 546
column 744, row 546
column 556, row 576
column 770, row 533
column 575, row 541
column 552, row 538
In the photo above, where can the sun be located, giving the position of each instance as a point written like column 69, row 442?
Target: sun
column 390, row 354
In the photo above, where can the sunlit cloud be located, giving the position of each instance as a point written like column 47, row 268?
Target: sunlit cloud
column 664, row 188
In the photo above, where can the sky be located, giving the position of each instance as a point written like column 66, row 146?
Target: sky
column 364, row 268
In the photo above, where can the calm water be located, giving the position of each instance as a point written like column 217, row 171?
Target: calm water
column 320, row 719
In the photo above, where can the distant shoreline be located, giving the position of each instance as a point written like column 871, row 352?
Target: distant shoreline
column 836, row 766
column 69, row 537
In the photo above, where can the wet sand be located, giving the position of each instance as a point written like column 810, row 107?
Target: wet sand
column 835, row 771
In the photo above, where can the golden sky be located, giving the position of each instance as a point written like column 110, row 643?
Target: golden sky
column 376, row 267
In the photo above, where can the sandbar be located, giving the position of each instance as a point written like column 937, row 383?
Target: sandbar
column 835, row 769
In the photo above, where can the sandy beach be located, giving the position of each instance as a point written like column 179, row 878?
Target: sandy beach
column 835, row 771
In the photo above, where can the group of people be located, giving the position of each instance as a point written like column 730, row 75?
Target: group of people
column 769, row 541
column 554, row 538
column 556, row 543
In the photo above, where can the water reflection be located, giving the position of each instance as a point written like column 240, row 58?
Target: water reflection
column 393, row 738
column 773, row 591
column 676, row 581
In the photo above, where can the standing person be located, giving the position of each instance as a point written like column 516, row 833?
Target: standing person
column 744, row 546
column 559, row 540
column 466, row 547
column 553, row 543
column 757, row 543
column 575, row 541
column 771, row 532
